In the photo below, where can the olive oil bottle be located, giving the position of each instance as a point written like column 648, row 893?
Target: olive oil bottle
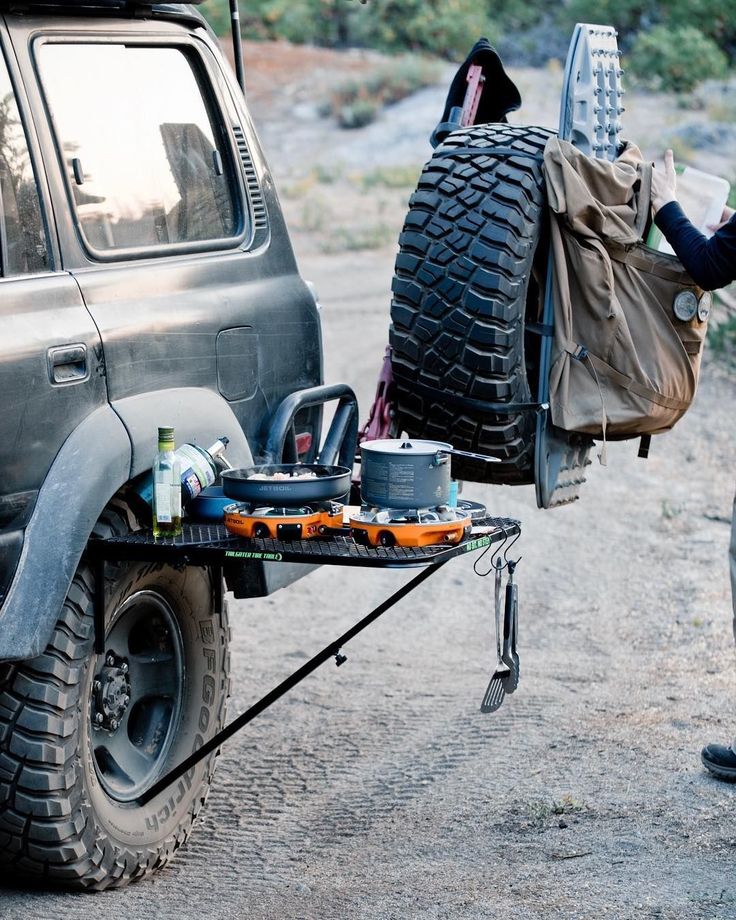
column 166, row 487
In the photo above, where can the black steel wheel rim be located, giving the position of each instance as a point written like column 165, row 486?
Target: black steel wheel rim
column 136, row 695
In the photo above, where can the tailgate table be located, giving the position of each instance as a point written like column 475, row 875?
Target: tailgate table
column 213, row 546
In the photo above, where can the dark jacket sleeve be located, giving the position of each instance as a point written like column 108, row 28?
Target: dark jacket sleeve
column 711, row 263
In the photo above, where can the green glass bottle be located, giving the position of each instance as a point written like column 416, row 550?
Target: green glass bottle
column 166, row 487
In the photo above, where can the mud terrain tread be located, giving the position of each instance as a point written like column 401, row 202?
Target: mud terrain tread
column 460, row 292
column 46, row 830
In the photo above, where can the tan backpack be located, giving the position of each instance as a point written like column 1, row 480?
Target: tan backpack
column 629, row 320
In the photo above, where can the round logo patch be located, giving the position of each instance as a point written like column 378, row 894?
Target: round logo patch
column 685, row 306
column 704, row 305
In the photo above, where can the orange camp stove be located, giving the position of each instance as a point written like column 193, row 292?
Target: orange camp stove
column 402, row 527
column 304, row 523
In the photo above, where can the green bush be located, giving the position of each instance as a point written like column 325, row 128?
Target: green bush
column 316, row 22
column 443, row 27
column 515, row 15
column 722, row 336
column 357, row 114
column 676, row 59
column 714, row 18
column 627, row 16
column 447, row 28
column 357, row 102
column 217, row 14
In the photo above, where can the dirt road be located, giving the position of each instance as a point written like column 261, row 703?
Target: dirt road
column 380, row 791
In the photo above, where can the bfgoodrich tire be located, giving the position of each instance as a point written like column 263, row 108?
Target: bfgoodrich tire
column 82, row 735
column 467, row 279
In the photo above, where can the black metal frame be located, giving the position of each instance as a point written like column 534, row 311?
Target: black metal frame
column 341, row 440
column 213, row 546
column 332, row 650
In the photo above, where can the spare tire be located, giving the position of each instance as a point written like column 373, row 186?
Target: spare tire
column 466, row 282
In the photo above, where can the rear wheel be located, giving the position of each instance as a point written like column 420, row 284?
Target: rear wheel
column 83, row 735
column 465, row 284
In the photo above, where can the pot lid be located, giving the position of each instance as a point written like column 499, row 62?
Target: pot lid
column 405, row 446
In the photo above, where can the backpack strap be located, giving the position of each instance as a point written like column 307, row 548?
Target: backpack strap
column 667, row 268
column 644, row 443
column 644, row 199
column 667, row 402
column 581, row 353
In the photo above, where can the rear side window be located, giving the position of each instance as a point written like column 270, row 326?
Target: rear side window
column 22, row 236
column 146, row 163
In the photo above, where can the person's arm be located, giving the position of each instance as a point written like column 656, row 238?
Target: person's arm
column 711, row 263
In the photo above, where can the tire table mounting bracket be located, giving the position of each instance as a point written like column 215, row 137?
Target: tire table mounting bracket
column 212, row 545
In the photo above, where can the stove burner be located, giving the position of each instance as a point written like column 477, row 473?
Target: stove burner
column 414, row 527
column 267, row 511
column 369, row 527
column 263, row 521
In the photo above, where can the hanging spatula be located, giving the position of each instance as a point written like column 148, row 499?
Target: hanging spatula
column 496, row 690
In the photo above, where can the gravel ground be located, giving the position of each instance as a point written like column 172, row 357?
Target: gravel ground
column 380, row 791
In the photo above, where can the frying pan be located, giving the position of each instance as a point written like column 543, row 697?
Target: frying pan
column 330, row 482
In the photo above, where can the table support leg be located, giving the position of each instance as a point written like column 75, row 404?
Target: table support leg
column 330, row 651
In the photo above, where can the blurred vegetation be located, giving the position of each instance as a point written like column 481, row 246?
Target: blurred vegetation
column 356, row 102
column 676, row 59
column 722, row 328
column 672, row 45
column 438, row 27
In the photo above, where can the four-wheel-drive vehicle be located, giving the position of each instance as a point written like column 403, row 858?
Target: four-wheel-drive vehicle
column 147, row 279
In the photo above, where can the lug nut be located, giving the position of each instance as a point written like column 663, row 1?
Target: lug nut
column 124, row 667
column 99, row 718
column 113, row 724
column 110, row 660
column 126, row 700
column 96, row 685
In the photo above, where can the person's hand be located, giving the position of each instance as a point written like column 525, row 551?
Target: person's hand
column 725, row 217
column 664, row 182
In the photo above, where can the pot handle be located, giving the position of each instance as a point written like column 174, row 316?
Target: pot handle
column 467, row 453
column 440, row 458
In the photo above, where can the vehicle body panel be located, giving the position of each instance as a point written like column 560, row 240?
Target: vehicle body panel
column 207, row 336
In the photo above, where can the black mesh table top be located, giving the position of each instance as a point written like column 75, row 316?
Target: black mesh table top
column 201, row 544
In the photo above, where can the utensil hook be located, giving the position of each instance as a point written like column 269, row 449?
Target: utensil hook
column 493, row 565
column 510, row 563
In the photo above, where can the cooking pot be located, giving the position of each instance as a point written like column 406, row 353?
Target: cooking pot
column 403, row 473
column 327, row 483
